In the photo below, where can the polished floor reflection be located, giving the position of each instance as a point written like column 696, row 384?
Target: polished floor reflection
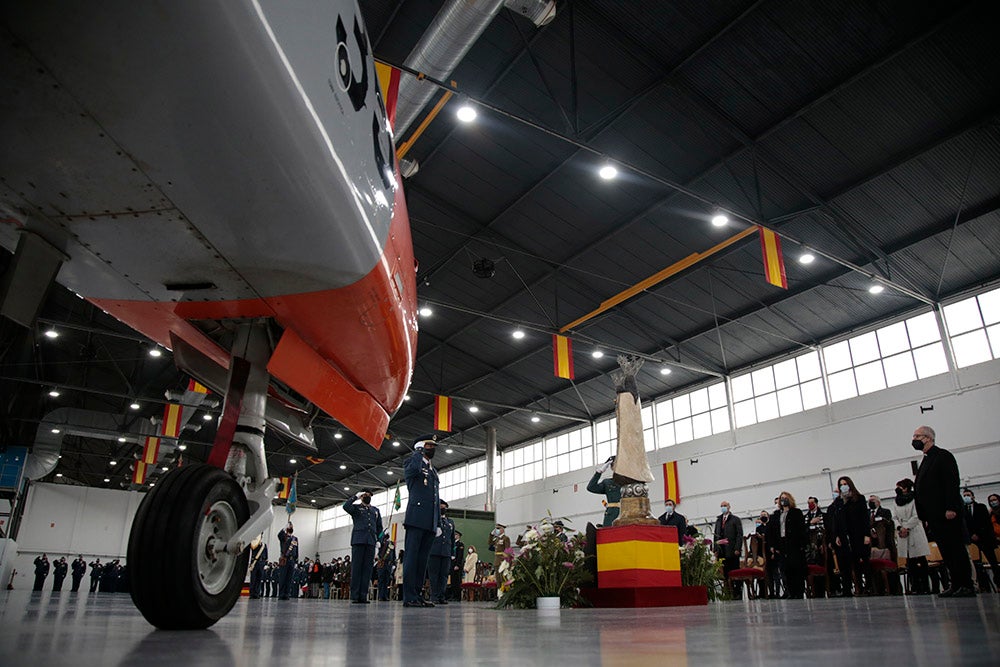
column 105, row 629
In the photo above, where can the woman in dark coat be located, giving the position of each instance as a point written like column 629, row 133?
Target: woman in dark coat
column 786, row 546
column 851, row 528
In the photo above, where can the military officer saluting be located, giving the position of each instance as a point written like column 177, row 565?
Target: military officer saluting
column 364, row 538
column 96, row 570
column 422, row 521
column 41, row 571
column 289, row 544
column 439, row 566
column 608, row 488
column 79, row 569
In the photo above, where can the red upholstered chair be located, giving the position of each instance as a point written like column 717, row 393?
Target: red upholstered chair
column 751, row 568
column 812, row 572
column 881, row 567
column 471, row 590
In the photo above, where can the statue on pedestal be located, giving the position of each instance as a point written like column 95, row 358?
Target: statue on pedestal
column 631, row 468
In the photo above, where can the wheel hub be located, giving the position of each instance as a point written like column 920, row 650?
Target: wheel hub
column 215, row 567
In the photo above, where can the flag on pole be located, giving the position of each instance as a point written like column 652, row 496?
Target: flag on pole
column 293, row 497
column 442, row 413
column 286, row 487
column 562, row 357
column 392, row 532
column 671, row 488
column 397, row 502
column 774, row 262
column 388, row 83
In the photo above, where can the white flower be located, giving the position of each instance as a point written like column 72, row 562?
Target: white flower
column 546, row 528
column 531, row 535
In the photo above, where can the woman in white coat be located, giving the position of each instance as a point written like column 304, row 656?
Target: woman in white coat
column 912, row 543
column 471, row 560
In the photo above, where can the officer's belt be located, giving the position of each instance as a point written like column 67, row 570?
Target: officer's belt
column 614, row 504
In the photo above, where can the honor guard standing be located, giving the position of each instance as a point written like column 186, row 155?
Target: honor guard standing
column 421, row 520
column 96, row 569
column 499, row 543
column 258, row 562
column 439, row 565
column 457, row 565
column 609, row 490
column 59, row 570
column 364, row 537
column 41, row 571
column 265, row 580
column 275, row 574
column 289, row 547
column 79, row 569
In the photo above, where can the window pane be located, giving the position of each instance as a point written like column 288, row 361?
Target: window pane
column 785, row 374
column 899, row 369
column 720, row 421
column 517, row 457
column 812, row 394
column 767, row 407
column 808, row 366
column 603, row 451
column 989, row 305
column 664, row 412
column 892, row 339
column 930, row 360
column 575, row 460
column 864, row 348
column 603, row 430
column 647, row 417
column 838, row 357
column 699, row 401
column 551, row 467
column 717, row 395
column 683, row 430
column 994, row 333
column 587, row 456
column 682, row 406
column 508, row 478
column 702, row 425
column 923, row 329
column 745, row 414
column 870, row 377
column 842, row 385
column 586, row 436
column 666, row 435
column 963, row 316
column 574, row 439
column 789, row 401
column 648, row 441
column 562, row 444
column 763, row 382
column 971, row 348
column 562, row 464
column 518, row 475
column 742, row 388
column 536, row 471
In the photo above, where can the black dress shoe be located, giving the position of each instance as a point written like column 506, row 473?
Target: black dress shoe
column 946, row 593
column 413, row 604
column 441, row 602
column 425, row 603
column 963, row 592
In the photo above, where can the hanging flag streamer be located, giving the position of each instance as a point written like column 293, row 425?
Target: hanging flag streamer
column 442, row 413
column 286, row 487
column 671, row 487
column 293, row 497
column 397, row 502
column 562, row 357
column 388, row 83
column 774, row 262
column 392, row 533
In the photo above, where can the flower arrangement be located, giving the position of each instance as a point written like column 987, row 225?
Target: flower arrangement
column 699, row 567
column 545, row 567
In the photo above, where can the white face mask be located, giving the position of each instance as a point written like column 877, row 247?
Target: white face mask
column 724, row 509
column 670, row 509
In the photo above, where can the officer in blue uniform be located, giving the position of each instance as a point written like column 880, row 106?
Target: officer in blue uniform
column 364, row 537
column 79, row 569
column 439, row 566
column 289, row 550
column 422, row 519
column 258, row 563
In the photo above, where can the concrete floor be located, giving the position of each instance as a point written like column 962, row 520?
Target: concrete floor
column 45, row 629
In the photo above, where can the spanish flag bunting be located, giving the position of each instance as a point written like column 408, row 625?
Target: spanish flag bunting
column 774, row 262
column 197, row 387
column 171, row 426
column 562, row 357
column 442, row 413
column 139, row 473
column 388, row 82
column 392, row 532
column 286, row 487
column 671, row 487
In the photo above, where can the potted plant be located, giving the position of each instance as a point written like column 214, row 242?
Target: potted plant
column 700, row 567
column 546, row 567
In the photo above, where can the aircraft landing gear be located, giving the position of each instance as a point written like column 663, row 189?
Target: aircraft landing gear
column 187, row 552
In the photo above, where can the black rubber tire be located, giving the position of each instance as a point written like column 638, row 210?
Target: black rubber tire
column 162, row 550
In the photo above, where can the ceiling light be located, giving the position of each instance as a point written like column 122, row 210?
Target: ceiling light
column 112, row 462
column 449, row 451
column 876, row 289
column 807, row 258
column 473, row 408
column 152, row 484
column 58, row 474
column 155, row 352
column 51, row 333
column 395, row 443
column 293, row 461
column 390, row 473
column 207, row 416
column 338, row 435
column 466, row 113
column 665, row 371
column 182, row 447
column 312, row 500
column 406, row 398
column 55, row 430
column 54, row 393
column 164, row 469
column 107, row 479
column 597, row 354
column 607, row 172
column 535, row 418
column 720, row 220
column 343, row 467
column 60, row 456
column 347, row 488
column 518, row 334
column 425, row 312
column 135, row 406
column 122, row 438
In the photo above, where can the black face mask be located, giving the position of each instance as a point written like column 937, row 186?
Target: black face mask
column 917, row 444
column 429, row 453
column 366, row 499
column 784, row 502
column 871, row 504
column 903, row 497
column 763, row 519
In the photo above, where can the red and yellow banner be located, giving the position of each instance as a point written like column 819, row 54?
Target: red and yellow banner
column 392, row 533
column 638, row 556
column 562, row 357
column 442, row 413
column 197, row 387
column 171, row 427
column 150, row 452
column 774, row 262
column 671, row 487
column 286, row 487
column 388, row 83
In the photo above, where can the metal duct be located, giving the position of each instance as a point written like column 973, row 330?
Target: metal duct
column 449, row 37
column 44, row 454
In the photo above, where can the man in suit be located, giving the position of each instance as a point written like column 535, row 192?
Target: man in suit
column 939, row 503
column 729, row 541
column 671, row 517
column 289, row 551
column 364, row 537
column 977, row 520
column 79, row 569
column 883, row 527
column 41, row 571
column 258, row 562
column 422, row 520
column 442, row 552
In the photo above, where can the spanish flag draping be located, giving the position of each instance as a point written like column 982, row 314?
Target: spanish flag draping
column 774, row 262
column 171, row 426
column 286, row 487
column 442, row 413
column 638, row 556
column 671, row 487
column 197, row 387
column 562, row 357
column 388, row 81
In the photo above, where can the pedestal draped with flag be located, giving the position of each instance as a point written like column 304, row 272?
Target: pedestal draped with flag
column 671, row 487
column 774, row 262
column 562, row 357
column 442, row 413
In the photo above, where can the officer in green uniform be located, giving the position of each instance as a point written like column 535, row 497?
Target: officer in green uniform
column 609, row 489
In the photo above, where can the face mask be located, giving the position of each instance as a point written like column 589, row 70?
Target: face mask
column 470, row 551
column 442, row 511
column 917, row 444
column 429, row 452
column 785, row 502
column 758, row 524
column 812, row 507
column 724, row 509
column 670, row 509
column 366, row 499
column 844, row 489
column 763, row 519
column 871, row 504
column 994, row 504
column 967, row 500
